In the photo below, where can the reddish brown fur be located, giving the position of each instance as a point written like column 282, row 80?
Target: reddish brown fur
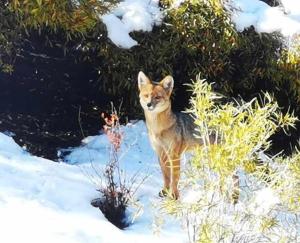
column 170, row 134
column 164, row 128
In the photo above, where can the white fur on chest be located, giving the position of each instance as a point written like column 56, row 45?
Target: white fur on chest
column 160, row 142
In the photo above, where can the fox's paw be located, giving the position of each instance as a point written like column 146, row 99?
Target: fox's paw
column 168, row 193
column 164, row 193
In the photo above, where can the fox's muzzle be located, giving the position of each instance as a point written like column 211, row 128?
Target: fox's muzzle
column 150, row 106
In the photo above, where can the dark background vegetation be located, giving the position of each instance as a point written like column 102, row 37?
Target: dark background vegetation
column 52, row 69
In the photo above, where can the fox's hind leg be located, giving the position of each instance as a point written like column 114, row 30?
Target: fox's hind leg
column 174, row 164
column 236, row 189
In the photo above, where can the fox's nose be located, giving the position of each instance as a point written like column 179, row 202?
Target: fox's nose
column 149, row 104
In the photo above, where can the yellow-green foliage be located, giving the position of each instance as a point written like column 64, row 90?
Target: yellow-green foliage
column 289, row 64
column 9, row 37
column 270, row 187
column 60, row 14
column 66, row 20
column 243, row 129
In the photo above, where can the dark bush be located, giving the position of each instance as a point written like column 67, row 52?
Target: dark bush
column 9, row 37
column 196, row 38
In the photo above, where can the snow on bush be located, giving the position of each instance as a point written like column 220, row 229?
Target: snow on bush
column 142, row 15
column 129, row 16
column 284, row 19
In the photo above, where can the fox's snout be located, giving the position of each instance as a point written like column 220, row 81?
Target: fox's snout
column 149, row 105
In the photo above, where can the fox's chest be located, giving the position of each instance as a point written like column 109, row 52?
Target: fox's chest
column 164, row 140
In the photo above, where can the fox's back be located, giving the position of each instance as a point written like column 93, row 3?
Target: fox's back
column 185, row 126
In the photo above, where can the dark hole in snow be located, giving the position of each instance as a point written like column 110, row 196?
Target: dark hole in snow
column 113, row 211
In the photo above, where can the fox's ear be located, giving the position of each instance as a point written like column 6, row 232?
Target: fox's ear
column 143, row 79
column 168, row 84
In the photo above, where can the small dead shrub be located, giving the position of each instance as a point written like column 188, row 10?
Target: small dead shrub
column 117, row 190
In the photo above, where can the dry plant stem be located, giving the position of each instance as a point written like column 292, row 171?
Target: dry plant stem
column 118, row 190
column 89, row 175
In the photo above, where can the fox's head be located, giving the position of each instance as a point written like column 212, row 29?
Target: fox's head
column 155, row 97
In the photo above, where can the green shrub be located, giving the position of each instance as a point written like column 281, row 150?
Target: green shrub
column 289, row 65
column 9, row 38
column 197, row 37
column 73, row 17
column 192, row 38
column 63, row 22
column 267, row 210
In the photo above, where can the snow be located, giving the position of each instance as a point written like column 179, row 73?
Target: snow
column 284, row 19
column 117, row 32
column 46, row 201
column 260, row 205
column 8, row 147
column 129, row 16
column 292, row 7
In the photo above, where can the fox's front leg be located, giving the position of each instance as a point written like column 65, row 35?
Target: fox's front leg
column 163, row 161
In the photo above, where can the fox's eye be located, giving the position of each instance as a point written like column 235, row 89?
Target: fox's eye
column 157, row 97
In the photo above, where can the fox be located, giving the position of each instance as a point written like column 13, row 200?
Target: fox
column 170, row 133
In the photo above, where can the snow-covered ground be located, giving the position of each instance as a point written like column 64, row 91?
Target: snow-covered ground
column 46, row 201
